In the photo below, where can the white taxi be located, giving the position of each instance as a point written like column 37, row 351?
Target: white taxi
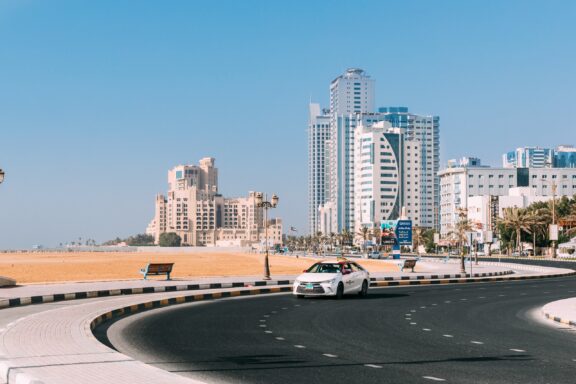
column 332, row 278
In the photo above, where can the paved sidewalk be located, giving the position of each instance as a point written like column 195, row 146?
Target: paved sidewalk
column 562, row 311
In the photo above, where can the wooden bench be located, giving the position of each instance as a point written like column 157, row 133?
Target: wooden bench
column 408, row 263
column 157, row 269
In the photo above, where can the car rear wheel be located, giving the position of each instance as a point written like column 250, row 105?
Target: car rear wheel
column 364, row 290
column 340, row 291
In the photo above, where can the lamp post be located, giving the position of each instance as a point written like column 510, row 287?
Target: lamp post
column 462, row 215
column 554, row 187
column 262, row 203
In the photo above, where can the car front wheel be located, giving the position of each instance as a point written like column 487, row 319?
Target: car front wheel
column 364, row 290
column 340, row 291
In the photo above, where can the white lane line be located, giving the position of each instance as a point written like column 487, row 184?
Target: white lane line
column 280, row 338
column 447, row 301
column 481, row 297
column 266, row 315
column 262, row 320
column 476, row 342
column 433, row 378
column 423, row 307
column 274, row 312
column 434, row 304
column 413, row 323
column 267, row 331
column 329, row 355
column 447, row 335
column 262, row 325
column 284, row 308
column 408, row 314
column 412, row 310
column 372, row 366
column 426, row 329
column 463, row 299
column 296, row 305
column 517, row 350
column 299, row 346
column 501, row 295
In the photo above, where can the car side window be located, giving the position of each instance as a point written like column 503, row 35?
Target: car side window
column 354, row 267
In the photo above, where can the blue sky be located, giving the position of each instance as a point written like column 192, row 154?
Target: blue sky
column 98, row 99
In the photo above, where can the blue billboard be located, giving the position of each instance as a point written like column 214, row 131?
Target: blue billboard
column 404, row 232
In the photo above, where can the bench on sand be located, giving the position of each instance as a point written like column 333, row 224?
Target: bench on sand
column 408, row 263
column 157, row 269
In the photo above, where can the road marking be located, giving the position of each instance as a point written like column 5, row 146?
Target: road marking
column 434, row 304
column 262, row 325
column 412, row 310
column 423, row 307
column 296, row 305
column 501, row 295
column 262, row 320
column 413, row 323
column 329, row 355
column 481, row 297
column 280, row 338
column 482, row 288
column 463, row 299
column 266, row 315
column 408, row 314
column 284, row 308
column 476, row 342
column 447, row 335
column 299, row 346
column 274, row 312
column 517, row 350
column 433, row 378
column 267, row 331
column 372, row 366
column 426, row 329
column 447, row 301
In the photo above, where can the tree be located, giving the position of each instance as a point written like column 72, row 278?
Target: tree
column 169, row 239
column 140, row 239
column 418, row 238
column 364, row 234
column 518, row 220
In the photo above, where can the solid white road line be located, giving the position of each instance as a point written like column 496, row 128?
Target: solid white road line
column 433, row 378
column 372, row 366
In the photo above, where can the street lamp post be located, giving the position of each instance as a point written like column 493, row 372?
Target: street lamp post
column 262, row 203
column 462, row 215
column 554, row 186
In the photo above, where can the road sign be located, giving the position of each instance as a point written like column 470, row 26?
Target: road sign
column 553, row 232
column 436, row 238
column 388, row 230
column 404, row 232
column 488, row 237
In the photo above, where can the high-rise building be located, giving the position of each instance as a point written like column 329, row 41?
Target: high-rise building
column 351, row 107
column 318, row 140
column 528, row 157
column 351, row 93
column 565, row 157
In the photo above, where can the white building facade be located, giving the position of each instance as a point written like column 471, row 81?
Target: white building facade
column 318, row 141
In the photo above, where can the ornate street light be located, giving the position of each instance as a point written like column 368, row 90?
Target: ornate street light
column 261, row 202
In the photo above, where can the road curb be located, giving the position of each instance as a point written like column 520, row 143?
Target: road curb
column 561, row 311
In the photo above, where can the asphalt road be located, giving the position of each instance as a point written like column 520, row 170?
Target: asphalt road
column 469, row 333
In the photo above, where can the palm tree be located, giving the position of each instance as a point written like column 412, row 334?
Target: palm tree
column 364, row 234
column 539, row 220
column 346, row 237
column 518, row 220
column 418, row 238
column 459, row 234
column 377, row 233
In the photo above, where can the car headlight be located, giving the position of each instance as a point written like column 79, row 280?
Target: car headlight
column 331, row 282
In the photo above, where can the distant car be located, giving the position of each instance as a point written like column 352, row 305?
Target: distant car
column 525, row 253
column 332, row 278
column 374, row 255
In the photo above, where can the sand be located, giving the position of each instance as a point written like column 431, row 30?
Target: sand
column 44, row 267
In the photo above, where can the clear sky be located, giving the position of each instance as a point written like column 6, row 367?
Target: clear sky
column 98, row 99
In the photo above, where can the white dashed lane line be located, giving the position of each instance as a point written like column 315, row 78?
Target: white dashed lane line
column 476, row 342
column 280, row 338
column 262, row 320
column 433, row 378
column 262, row 325
column 267, row 331
column 426, row 329
column 299, row 346
column 447, row 335
column 372, row 366
column 329, row 355
column 517, row 350
column 413, row 323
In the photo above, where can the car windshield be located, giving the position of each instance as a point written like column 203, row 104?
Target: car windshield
column 324, row 268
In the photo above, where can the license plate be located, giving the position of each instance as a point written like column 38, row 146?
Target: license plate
column 309, row 286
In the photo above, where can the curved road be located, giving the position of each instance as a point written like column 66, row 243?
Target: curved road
column 470, row 333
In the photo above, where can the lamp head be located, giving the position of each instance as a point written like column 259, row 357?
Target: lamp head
column 274, row 200
column 258, row 198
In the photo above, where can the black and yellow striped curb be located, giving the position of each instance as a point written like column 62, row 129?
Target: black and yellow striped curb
column 132, row 309
column 466, row 280
column 559, row 319
column 43, row 299
column 444, row 276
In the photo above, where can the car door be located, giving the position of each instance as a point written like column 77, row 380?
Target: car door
column 348, row 277
column 358, row 277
